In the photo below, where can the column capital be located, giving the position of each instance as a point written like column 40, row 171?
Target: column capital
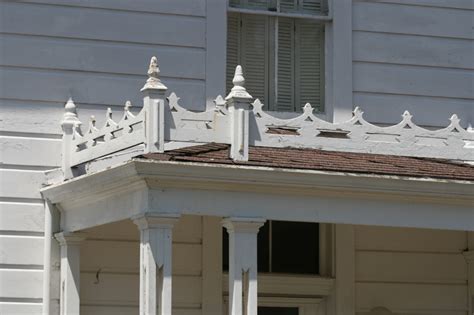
column 152, row 220
column 245, row 225
column 69, row 238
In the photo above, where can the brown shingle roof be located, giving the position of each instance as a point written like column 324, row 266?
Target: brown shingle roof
column 313, row 159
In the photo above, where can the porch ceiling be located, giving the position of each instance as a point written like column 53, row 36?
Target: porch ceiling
column 187, row 187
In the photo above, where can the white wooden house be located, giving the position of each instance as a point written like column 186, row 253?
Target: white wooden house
column 330, row 174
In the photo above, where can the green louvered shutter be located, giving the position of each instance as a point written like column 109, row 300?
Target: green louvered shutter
column 309, row 64
column 233, row 47
column 311, row 6
column 285, row 66
column 254, row 55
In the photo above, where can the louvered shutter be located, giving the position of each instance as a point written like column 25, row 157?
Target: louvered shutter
column 288, row 5
column 285, row 66
column 254, row 55
column 311, row 6
column 233, row 47
column 309, row 64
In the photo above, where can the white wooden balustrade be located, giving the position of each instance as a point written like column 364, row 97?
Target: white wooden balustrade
column 240, row 121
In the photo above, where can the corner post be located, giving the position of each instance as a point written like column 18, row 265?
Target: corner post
column 239, row 102
column 243, row 288
column 68, row 124
column 154, row 105
column 70, row 272
column 155, row 262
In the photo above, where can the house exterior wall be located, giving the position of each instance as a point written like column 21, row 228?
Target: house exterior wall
column 414, row 55
column 411, row 271
column 97, row 52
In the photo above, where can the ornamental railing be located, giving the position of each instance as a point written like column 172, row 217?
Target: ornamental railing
column 240, row 121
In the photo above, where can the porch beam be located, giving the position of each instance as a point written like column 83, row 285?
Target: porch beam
column 70, row 272
column 155, row 262
column 243, row 264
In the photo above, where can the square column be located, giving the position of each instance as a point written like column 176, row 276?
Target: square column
column 243, row 264
column 70, row 272
column 155, row 262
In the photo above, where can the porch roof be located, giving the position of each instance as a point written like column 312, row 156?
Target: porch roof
column 314, row 159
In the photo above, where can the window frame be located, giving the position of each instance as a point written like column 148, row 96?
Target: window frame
column 338, row 89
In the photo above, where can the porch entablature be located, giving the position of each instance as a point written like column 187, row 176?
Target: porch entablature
column 240, row 121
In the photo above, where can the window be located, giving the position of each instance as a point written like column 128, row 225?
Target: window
column 281, row 49
column 284, row 247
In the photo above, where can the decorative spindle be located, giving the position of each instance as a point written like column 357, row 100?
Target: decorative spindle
column 220, row 105
column 154, row 82
column 239, row 91
column 92, row 122
column 127, row 106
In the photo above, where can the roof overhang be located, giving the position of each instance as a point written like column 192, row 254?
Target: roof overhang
column 141, row 185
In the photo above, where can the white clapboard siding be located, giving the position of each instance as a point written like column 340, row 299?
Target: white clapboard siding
column 124, row 256
column 21, row 251
column 21, row 217
column 388, row 108
column 409, row 240
column 21, row 183
column 455, row 4
column 20, row 150
column 416, row 20
column 123, row 289
column 413, row 50
column 413, row 80
column 21, row 284
column 372, row 266
column 100, row 56
column 128, row 310
column 411, row 297
column 181, row 7
column 187, row 230
column 15, row 308
column 108, row 25
column 91, row 88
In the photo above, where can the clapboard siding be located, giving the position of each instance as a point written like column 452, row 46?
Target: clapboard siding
column 416, row 56
column 22, row 217
column 413, row 50
column 19, row 150
column 96, row 56
column 105, row 25
column 21, row 250
column 388, row 108
column 454, row 4
column 21, row 183
column 406, row 19
column 124, row 256
column 91, row 88
column 373, row 266
column 411, row 271
column 409, row 240
column 187, row 230
column 413, row 80
column 21, row 284
column 20, row 308
column 181, row 7
column 415, row 298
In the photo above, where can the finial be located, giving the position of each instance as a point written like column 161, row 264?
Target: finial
column 127, row 106
column 109, row 113
column 154, row 82
column 70, row 113
column 238, row 91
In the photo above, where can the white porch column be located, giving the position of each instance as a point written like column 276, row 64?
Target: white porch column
column 243, row 264
column 155, row 262
column 70, row 272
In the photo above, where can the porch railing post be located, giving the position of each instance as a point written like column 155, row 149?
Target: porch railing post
column 154, row 104
column 70, row 272
column 238, row 103
column 155, row 262
column 69, row 122
column 243, row 286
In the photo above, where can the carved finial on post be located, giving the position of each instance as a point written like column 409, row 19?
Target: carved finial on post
column 154, row 105
column 154, row 81
column 68, row 125
column 238, row 103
